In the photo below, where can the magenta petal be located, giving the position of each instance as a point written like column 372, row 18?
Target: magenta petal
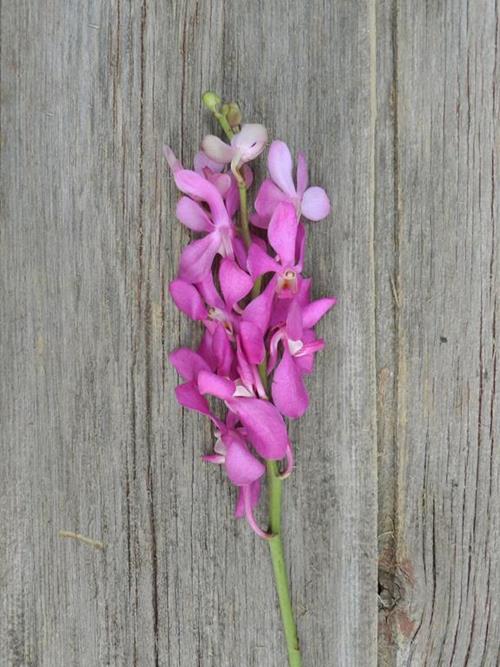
column 294, row 328
column 254, row 497
column 259, row 262
column 315, row 310
column 187, row 363
column 242, row 468
column 259, row 221
column 222, row 350
column 282, row 233
column 258, row 310
column 300, row 246
column 215, row 385
column 279, row 163
column 253, row 342
column 193, row 216
column 209, row 292
column 302, row 180
column 189, row 397
column 235, row 283
column 268, row 197
column 243, row 367
column 205, row 349
column 197, row 257
column 194, row 185
column 218, row 459
column 187, row 299
column 289, row 392
column 264, row 425
column 315, row 204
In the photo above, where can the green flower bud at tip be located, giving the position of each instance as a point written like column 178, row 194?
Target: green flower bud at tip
column 211, row 101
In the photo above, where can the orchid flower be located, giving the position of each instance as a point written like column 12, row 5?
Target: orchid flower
column 312, row 203
column 285, row 235
column 245, row 146
column 243, row 469
column 197, row 258
column 299, row 347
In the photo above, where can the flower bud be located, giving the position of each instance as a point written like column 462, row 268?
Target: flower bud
column 211, row 101
column 233, row 115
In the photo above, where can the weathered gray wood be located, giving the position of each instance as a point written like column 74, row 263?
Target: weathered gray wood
column 395, row 104
column 443, row 551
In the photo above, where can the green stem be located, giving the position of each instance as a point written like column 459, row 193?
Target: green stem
column 279, row 567
column 245, row 229
column 223, row 122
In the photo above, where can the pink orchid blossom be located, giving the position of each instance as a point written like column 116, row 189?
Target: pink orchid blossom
column 285, row 236
column 245, row 146
column 311, row 202
column 197, row 258
column 243, row 469
column 299, row 347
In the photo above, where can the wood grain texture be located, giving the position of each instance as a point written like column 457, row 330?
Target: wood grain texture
column 396, row 104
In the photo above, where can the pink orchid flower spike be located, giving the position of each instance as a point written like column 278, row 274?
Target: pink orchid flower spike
column 245, row 146
column 311, row 202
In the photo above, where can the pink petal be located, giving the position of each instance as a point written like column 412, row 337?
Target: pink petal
column 242, row 468
column 187, row 299
column 289, row 463
column 273, row 349
column 315, row 310
column 222, row 350
column 209, row 293
column 300, row 246
column 258, row 310
column 205, row 349
column 259, row 221
column 264, row 425
column 252, row 341
column 202, row 161
column 315, row 204
column 259, row 262
column 217, row 150
column 244, row 368
column 289, row 392
column 193, row 216
column 282, row 233
column 214, row 458
column 294, row 327
column 172, row 161
column 254, row 497
column 279, row 163
column 194, row 185
column 189, row 397
column 235, row 283
column 197, row 257
column 268, row 197
column 240, row 252
column 302, row 179
column 187, row 363
column 250, row 517
column 215, row 385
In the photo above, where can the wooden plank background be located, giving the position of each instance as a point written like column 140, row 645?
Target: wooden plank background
column 392, row 523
